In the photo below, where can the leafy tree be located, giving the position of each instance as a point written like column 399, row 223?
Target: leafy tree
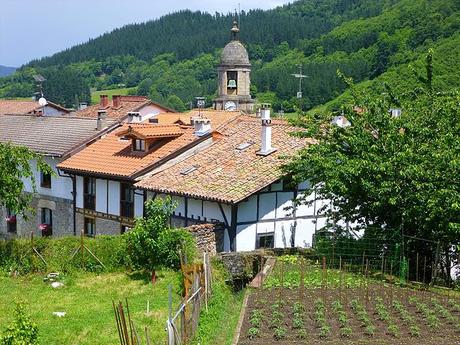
column 15, row 167
column 152, row 243
column 22, row 331
column 175, row 103
column 398, row 174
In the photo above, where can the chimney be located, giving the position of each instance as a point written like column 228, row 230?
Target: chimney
column 134, row 117
column 116, row 101
column 104, row 101
column 202, row 125
column 101, row 120
column 266, row 145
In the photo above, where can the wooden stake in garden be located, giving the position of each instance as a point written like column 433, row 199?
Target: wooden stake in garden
column 367, row 283
column 82, row 248
column 324, row 280
column 391, row 282
column 302, row 277
column 282, row 280
column 341, row 279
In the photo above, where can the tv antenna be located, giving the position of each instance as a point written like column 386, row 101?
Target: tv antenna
column 300, row 76
column 200, row 102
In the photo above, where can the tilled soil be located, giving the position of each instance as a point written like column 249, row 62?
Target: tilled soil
column 447, row 333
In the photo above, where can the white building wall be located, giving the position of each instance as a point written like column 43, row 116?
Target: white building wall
column 138, row 203
column 267, row 206
column 149, row 111
column 101, row 195
column 246, row 237
column 61, row 187
column 247, row 210
column 79, row 187
column 114, row 198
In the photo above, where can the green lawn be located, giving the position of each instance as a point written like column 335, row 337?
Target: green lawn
column 95, row 95
column 87, row 300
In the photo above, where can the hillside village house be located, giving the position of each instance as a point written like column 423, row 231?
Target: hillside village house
column 56, row 138
column 106, row 171
column 31, row 108
column 236, row 180
column 124, row 109
column 220, row 165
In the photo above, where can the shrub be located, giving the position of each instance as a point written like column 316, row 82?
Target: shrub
column 152, row 243
column 22, row 331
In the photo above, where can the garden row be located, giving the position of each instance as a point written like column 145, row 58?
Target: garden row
column 309, row 304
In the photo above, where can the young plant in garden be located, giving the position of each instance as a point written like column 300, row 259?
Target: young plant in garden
column 320, row 318
column 345, row 330
column 363, row 317
column 427, row 313
column 298, row 319
column 407, row 318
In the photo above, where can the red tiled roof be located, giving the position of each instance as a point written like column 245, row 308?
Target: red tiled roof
column 127, row 104
column 112, row 155
column 217, row 117
column 223, row 171
column 24, row 107
column 147, row 131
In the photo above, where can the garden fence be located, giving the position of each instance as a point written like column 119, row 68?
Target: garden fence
column 182, row 324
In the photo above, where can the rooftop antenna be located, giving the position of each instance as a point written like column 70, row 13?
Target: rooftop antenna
column 200, row 103
column 39, row 79
column 300, row 76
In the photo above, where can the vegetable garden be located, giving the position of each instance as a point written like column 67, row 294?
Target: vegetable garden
column 302, row 301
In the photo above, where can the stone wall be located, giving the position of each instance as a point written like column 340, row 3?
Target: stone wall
column 242, row 265
column 208, row 237
column 62, row 213
column 103, row 226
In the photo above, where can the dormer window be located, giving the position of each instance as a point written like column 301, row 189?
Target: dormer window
column 138, row 145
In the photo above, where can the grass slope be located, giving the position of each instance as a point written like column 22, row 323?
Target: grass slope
column 87, row 300
column 95, row 95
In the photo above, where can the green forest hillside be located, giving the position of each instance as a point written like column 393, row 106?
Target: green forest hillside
column 174, row 59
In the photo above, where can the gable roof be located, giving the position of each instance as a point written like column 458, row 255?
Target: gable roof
column 112, row 155
column 127, row 104
column 8, row 106
column 217, row 117
column 147, row 131
column 229, row 170
column 49, row 135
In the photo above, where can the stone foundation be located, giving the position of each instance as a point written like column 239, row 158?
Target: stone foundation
column 62, row 213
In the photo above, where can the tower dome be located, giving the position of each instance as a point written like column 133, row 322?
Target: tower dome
column 233, row 76
column 235, row 53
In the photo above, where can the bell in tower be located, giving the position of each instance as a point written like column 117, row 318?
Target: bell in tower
column 234, row 76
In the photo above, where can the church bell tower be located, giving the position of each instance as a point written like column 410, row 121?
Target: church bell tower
column 233, row 75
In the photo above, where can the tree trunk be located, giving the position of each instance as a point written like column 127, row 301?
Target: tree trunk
column 153, row 277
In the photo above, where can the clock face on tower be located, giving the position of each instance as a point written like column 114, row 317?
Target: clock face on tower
column 230, row 106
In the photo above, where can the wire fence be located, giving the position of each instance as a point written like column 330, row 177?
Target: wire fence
column 392, row 251
column 183, row 322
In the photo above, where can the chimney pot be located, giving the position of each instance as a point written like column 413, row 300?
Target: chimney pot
column 266, row 144
column 134, row 117
column 202, row 125
column 104, row 101
column 101, row 120
column 116, row 101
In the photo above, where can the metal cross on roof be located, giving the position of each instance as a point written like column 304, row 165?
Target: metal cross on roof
column 300, row 76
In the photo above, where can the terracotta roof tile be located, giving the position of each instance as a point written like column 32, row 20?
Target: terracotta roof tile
column 217, row 117
column 229, row 170
column 148, row 131
column 127, row 104
column 112, row 155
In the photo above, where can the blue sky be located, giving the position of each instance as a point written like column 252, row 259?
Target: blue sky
column 35, row 28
